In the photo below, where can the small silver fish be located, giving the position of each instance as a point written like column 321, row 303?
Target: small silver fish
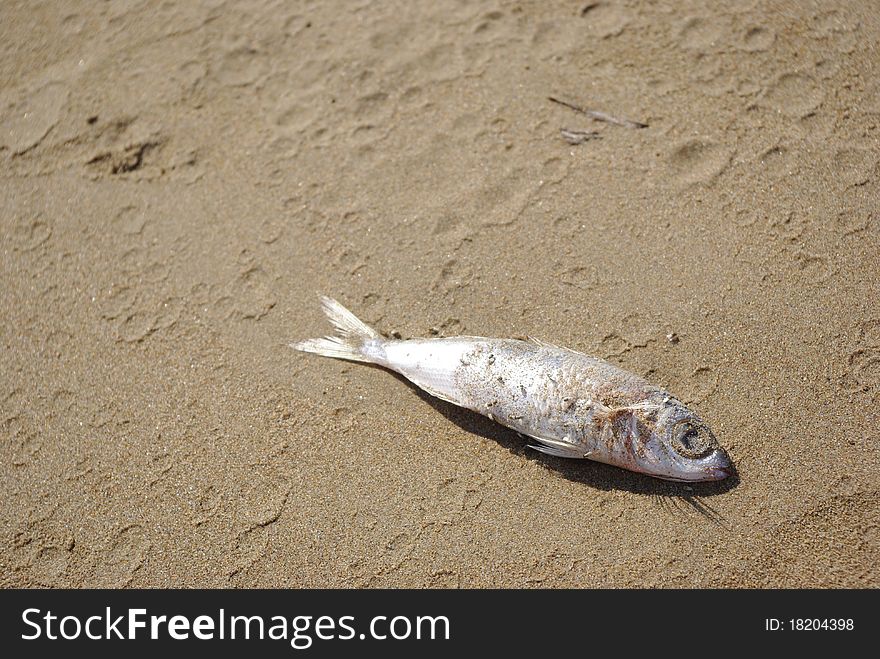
column 573, row 405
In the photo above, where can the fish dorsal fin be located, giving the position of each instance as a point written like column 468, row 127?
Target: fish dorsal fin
column 553, row 346
column 539, row 342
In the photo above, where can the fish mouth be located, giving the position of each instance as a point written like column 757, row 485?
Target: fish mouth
column 708, row 474
column 722, row 467
column 719, row 473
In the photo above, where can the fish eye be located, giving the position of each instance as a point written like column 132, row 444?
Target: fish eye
column 692, row 441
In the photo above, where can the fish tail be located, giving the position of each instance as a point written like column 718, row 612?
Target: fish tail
column 354, row 340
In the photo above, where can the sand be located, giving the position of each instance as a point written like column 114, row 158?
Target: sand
column 180, row 180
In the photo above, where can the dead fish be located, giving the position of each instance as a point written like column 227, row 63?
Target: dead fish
column 571, row 404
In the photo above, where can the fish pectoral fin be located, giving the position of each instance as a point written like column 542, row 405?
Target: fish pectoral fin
column 570, row 452
column 559, row 448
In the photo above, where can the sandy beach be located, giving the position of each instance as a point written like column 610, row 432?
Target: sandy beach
column 181, row 180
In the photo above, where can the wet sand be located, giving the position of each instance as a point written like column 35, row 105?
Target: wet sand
column 180, row 180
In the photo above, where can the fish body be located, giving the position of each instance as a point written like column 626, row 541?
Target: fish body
column 571, row 404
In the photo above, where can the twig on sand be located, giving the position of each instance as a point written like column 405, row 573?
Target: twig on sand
column 578, row 136
column 599, row 116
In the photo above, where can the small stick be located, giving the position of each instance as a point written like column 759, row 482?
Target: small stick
column 578, row 136
column 600, row 116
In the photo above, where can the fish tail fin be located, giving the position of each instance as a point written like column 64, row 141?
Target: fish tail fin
column 354, row 340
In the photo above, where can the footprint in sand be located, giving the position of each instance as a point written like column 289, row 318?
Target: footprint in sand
column 701, row 384
column 29, row 233
column 757, row 39
column 698, row 161
column 249, row 547
column 700, row 34
column 241, row 67
column 604, row 19
column 794, row 94
column 130, row 220
column 261, row 501
column 49, row 565
column 252, row 292
column 25, row 122
column 126, row 555
column 863, row 363
column 776, row 162
column 854, row 165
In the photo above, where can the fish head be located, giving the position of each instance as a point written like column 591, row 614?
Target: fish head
column 680, row 446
